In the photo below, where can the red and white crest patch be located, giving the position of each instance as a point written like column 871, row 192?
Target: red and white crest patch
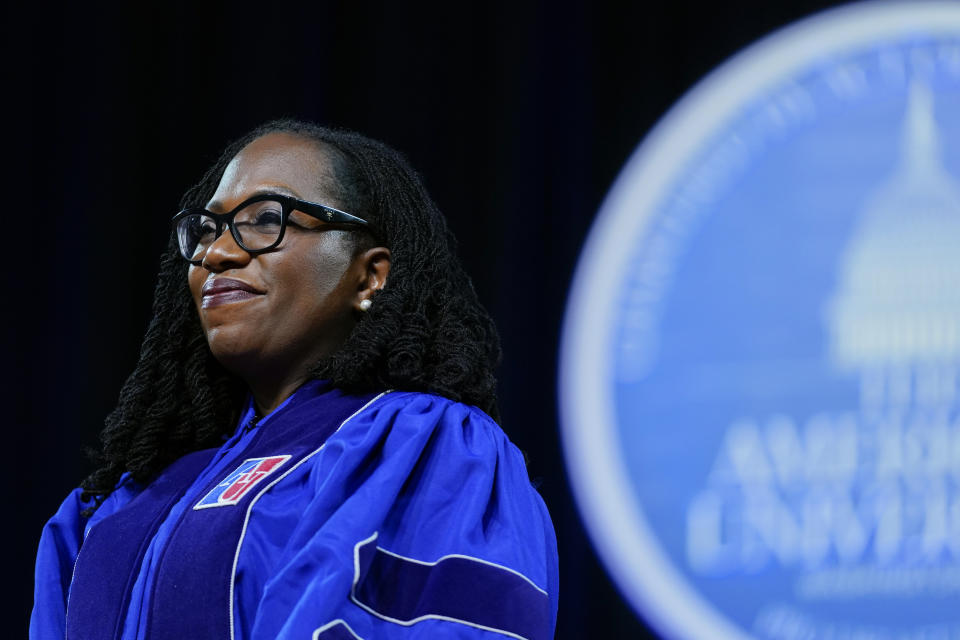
column 238, row 483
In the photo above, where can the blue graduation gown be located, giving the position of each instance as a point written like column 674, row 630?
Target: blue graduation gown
column 400, row 515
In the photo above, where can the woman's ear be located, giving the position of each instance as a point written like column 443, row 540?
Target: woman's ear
column 376, row 265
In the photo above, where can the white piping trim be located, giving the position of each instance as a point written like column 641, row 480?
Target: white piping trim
column 459, row 555
column 66, row 607
column 430, row 616
column 246, row 519
column 330, row 625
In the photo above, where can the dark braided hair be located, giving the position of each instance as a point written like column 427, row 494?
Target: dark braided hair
column 426, row 330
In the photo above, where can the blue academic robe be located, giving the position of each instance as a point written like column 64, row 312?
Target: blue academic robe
column 397, row 516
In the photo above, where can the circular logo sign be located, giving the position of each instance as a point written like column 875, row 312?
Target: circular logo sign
column 760, row 379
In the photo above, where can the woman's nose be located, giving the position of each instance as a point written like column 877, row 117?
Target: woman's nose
column 225, row 254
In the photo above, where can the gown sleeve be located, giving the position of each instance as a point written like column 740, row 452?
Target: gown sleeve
column 423, row 524
column 57, row 553
column 59, row 546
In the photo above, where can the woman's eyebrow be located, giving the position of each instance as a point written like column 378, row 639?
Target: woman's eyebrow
column 264, row 190
column 278, row 189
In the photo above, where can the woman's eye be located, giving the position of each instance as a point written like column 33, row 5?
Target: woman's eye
column 268, row 217
column 205, row 231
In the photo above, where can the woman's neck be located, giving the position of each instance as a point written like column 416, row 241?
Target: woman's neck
column 270, row 394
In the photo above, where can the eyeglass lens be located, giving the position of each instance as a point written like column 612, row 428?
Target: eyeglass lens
column 258, row 225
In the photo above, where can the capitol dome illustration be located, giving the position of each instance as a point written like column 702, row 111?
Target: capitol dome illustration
column 897, row 303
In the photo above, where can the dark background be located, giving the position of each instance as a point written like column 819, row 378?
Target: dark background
column 519, row 116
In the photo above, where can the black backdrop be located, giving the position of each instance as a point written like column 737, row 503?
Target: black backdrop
column 518, row 114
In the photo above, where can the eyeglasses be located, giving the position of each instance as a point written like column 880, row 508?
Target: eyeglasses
column 257, row 224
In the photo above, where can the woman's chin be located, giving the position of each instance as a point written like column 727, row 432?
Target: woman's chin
column 232, row 349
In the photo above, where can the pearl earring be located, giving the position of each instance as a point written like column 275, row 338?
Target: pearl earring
column 365, row 304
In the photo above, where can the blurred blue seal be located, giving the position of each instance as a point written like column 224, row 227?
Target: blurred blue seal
column 760, row 378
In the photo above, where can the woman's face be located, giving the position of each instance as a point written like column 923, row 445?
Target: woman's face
column 274, row 315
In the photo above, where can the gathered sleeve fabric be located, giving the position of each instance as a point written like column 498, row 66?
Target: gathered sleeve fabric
column 59, row 546
column 420, row 522
column 60, row 543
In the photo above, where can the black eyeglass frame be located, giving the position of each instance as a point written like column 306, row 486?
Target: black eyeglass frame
column 288, row 204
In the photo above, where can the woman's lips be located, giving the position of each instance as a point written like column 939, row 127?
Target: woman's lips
column 221, row 291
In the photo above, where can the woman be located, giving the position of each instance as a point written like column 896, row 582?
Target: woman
column 308, row 275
